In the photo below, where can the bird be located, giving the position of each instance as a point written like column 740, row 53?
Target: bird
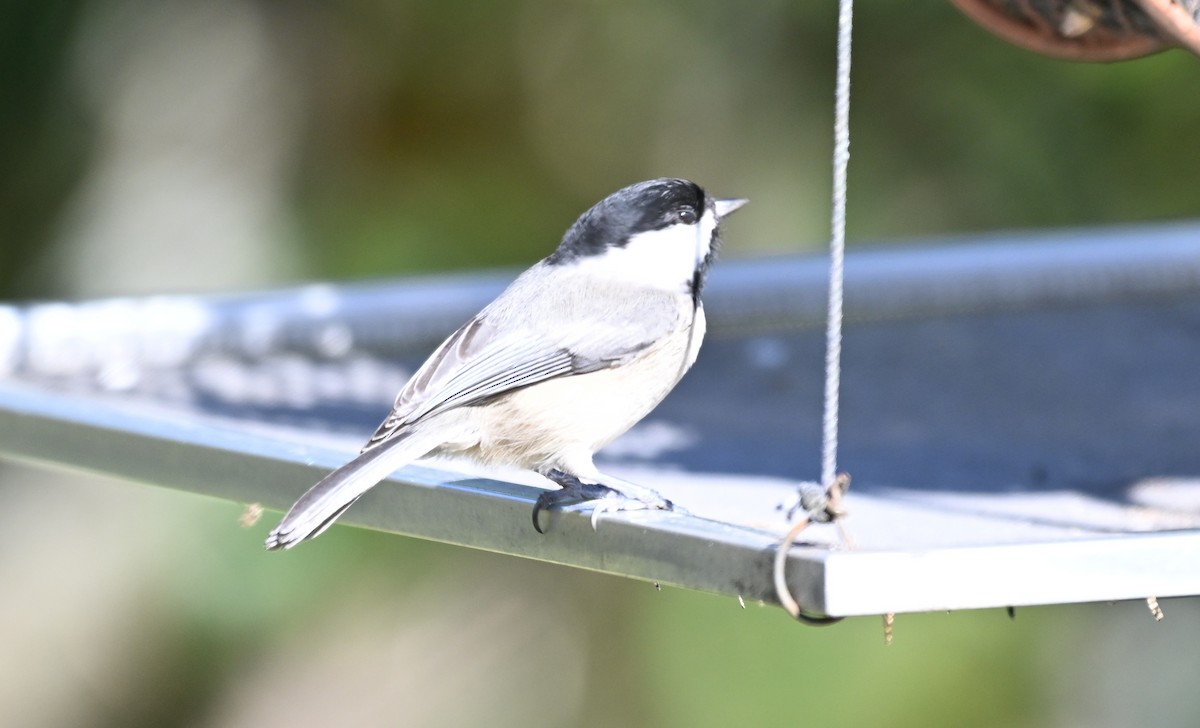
column 574, row 352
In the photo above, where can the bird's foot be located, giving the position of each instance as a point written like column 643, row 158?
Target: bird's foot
column 602, row 498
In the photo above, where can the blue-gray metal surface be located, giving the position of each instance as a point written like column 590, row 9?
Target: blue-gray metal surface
column 1020, row 416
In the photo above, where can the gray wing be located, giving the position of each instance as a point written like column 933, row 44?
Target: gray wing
column 481, row 360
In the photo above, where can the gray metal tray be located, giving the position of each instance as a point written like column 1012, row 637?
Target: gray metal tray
column 1021, row 418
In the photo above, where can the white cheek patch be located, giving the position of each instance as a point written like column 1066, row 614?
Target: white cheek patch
column 664, row 259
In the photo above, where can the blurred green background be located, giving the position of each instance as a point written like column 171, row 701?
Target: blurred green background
column 229, row 145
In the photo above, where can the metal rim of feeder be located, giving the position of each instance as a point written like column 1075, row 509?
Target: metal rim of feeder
column 1090, row 30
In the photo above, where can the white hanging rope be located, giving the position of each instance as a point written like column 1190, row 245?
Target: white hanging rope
column 830, row 483
column 837, row 247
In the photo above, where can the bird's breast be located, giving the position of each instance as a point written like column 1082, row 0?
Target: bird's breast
column 586, row 411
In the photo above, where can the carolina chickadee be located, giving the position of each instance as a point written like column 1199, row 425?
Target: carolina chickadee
column 573, row 353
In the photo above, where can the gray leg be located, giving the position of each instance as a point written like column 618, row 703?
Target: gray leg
column 613, row 494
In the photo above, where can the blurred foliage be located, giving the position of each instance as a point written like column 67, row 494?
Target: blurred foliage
column 469, row 135
column 43, row 133
column 429, row 136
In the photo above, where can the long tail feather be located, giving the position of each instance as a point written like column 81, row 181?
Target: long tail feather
column 318, row 508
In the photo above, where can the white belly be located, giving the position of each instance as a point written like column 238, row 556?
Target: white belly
column 561, row 422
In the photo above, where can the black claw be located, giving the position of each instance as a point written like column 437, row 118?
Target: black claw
column 543, row 503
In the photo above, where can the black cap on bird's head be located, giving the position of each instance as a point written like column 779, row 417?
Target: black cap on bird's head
column 638, row 209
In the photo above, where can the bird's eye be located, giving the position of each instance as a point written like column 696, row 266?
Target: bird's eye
column 687, row 216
